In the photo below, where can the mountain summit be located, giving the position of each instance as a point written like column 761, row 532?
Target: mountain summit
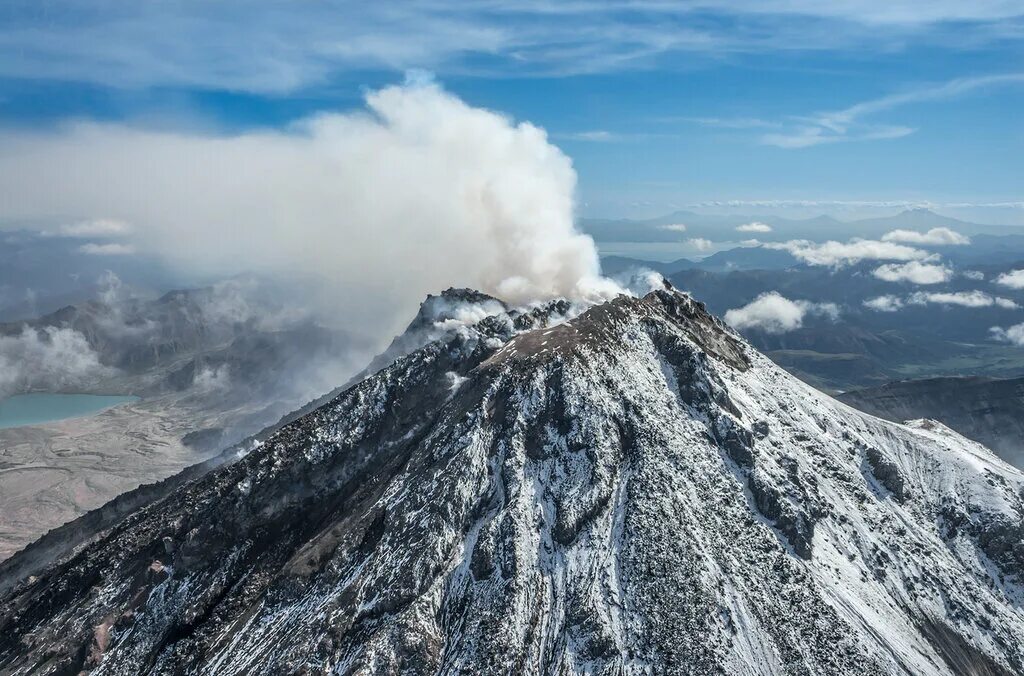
column 633, row 489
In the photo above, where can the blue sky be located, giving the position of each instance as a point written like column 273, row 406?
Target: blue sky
column 661, row 105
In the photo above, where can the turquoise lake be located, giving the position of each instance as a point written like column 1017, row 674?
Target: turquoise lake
column 33, row 409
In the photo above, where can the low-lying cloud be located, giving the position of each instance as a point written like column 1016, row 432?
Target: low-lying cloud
column 772, row 312
column 884, row 303
column 107, row 249
column 967, row 299
column 96, row 228
column 1011, row 334
column 962, row 298
column 754, row 227
column 50, row 359
column 934, row 237
column 838, row 254
column 914, row 272
column 1013, row 279
column 372, row 209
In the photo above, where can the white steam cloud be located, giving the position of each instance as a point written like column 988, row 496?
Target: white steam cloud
column 914, row 272
column 376, row 208
column 935, row 237
column 756, row 226
column 772, row 312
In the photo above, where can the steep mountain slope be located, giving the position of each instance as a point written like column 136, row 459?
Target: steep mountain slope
column 630, row 490
column 988, row 410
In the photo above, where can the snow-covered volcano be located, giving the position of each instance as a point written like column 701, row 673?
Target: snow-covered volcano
column 630, row 490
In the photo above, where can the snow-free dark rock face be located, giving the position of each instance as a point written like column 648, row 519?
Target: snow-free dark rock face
column 629, row 490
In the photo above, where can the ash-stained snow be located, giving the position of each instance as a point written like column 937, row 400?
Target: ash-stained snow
column 632, row 489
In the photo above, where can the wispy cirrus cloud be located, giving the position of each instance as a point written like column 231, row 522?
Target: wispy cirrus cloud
column 734, row 122
column 849, row 204
column 275, row 47
column 815, row 134
column 596, row 135
column 854, row 124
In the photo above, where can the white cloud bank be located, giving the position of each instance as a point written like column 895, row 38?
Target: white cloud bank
column 773, row 313
column 375, row 208
column 1013, row 279
column 934, row 237
column 914, row 272
column 836, row 254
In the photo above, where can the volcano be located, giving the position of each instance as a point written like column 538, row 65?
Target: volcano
column 629, row 489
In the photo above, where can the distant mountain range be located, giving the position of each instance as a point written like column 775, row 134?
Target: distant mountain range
column 41, row 273
column 820, row 228
column 864, row 347
column 740, row 258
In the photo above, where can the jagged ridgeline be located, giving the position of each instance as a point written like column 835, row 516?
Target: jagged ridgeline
column 630, row 490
